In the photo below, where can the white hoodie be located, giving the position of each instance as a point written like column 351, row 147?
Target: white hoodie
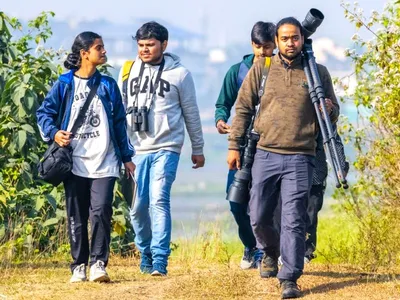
column 173, row 105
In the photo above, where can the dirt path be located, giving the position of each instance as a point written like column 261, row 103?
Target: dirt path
column 191, row 281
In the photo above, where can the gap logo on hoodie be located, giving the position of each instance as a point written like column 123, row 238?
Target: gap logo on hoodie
column 163, row 87
column 171, row 107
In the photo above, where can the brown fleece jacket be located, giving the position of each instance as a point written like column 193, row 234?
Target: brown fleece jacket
column 286, row 122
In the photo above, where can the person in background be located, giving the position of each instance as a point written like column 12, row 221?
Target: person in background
column 263, row 45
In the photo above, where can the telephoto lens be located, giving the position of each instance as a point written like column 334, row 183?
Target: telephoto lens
column 144, row 126
column 239, row 191
column 311, row 22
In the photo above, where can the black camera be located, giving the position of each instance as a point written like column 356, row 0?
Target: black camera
column 140, row 119
column 239, row 189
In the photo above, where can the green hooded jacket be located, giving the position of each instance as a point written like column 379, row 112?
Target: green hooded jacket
column 229, row 90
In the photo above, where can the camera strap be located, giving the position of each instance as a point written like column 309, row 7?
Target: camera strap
column 156, row 83
column 138, row 84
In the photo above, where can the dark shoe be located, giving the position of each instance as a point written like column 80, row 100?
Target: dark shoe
column 309, row 257
column 268, row 266
column 290, row 290
column 146, row 264
column 159, row 270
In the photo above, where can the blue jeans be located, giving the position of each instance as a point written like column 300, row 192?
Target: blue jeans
column 239, row 212
column 151, row 214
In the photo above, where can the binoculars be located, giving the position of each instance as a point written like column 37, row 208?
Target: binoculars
column 140, row 119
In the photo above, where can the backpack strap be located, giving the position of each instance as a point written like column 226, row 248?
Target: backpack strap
column 243, row 70
column 264, row 77
column 265, row 71
column 126, row 70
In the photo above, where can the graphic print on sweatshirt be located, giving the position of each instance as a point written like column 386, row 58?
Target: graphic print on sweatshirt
column 173, row 106
column 94, row 155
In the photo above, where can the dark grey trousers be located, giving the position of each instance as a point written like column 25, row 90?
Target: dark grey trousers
column 291, row 177
column 89, row 198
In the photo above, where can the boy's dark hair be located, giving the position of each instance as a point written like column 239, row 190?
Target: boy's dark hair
column 152, row 30
column 291, row 21
column 263, row 32
column 83, row 41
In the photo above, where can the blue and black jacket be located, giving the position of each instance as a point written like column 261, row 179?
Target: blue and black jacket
column 54, row 113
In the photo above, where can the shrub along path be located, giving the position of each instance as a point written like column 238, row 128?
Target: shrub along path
column 191, row 280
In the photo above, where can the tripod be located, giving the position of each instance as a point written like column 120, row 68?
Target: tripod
column 317, row 96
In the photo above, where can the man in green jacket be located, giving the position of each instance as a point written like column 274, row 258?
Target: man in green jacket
column 262, row 42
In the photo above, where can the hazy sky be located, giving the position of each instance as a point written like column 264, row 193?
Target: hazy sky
column 224, row 21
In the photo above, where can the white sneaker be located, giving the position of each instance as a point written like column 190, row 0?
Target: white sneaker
column 79, row 274
column 98, row 272
column 280, row 263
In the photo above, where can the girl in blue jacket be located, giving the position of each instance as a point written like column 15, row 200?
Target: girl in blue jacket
column 99, row 146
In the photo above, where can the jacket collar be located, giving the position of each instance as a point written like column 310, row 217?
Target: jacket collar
column 295, row 63
column 68, row 77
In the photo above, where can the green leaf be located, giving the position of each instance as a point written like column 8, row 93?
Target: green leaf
column 10, row 125
column 27, row 77
column 50, row 222
column 21, row 139
column 120, row 219
column 28, row 229
column 28, row 128
column 39, row 203
column 29, row 100
column 52, row 201
column 56, row 195
column 19, row 93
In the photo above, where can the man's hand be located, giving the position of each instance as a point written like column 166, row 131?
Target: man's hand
column 129, row 168
column 233, row 159
column 328, row 105
column 63, row 138
column 198, row 161
column 223, row 127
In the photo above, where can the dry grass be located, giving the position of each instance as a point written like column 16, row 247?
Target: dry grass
column 198, row 279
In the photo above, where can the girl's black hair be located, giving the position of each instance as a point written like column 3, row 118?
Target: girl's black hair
column 83, row 41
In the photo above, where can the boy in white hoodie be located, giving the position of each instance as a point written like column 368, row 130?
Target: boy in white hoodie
column 159, row 85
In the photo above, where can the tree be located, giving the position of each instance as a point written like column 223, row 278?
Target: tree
column 32, row 213
column 374, row 200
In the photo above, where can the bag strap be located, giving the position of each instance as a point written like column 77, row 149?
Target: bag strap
column 265, row 72
column 82, row 112
column 264, row 77
column 126, row 70
column 243, row 70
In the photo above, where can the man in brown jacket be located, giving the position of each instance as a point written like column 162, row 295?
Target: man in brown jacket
column 284, row 161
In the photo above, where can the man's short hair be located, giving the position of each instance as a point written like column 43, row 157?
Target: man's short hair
column 152, row 30
column 291, row 21
column 263, row 32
